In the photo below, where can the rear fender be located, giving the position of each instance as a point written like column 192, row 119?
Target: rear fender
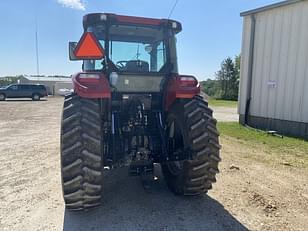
column 180, row 87
column 91, row 85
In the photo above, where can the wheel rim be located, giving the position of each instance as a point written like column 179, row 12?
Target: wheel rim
column 1, row 97
column 36, row 97
column 175, row 144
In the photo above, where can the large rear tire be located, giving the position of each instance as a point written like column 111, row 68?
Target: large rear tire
column 191, row 127
column 81, row 160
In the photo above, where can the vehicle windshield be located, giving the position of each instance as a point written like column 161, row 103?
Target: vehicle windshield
column 132, row 49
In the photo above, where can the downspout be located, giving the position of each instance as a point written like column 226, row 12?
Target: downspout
column 250, row 66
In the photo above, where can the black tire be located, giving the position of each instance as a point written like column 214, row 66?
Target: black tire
column 36, row 97
column 81, row 158
column 2, row 97
column 192, row 127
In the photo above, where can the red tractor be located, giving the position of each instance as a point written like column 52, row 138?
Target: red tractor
column 131, row 107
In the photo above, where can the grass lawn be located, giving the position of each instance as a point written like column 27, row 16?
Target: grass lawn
column 222, row 103
column 288, row 151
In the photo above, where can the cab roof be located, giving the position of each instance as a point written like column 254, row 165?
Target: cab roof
column 95, row 18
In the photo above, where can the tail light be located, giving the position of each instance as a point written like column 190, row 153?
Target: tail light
column 181, row 87
column 88, row 78
column 187, row 81
column 91, row 85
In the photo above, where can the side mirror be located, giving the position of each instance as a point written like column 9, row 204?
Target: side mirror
column 71, row 47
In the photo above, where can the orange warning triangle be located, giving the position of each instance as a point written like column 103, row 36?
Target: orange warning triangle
column 89, row 48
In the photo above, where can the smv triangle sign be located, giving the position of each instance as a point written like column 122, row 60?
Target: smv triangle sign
column 89, row 48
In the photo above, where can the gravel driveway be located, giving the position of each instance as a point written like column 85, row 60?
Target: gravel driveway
column 252, row 195
column 226, row 114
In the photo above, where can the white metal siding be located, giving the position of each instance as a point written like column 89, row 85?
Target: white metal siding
column 244, row 64
column 281, row 57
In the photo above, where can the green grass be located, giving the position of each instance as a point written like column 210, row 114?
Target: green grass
column 222, row 103
column 278, row 150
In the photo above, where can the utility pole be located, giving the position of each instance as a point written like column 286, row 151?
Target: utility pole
column 37, row 49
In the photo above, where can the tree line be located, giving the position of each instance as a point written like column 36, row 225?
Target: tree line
column 226, row 82
column 4, row 81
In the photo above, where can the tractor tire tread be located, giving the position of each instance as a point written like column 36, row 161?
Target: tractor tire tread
column 81, row 161
column 198, row 174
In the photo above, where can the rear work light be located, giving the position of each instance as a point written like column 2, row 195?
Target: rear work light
column 103, row 17
column 174, row 25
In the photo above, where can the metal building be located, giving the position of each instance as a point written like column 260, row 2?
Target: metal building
column 53, row 84
column 274, row 68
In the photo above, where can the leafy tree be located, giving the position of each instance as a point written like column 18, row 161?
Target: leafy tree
column 7, row 80
column 210, row 87
column 226, row 76
column 228, row 79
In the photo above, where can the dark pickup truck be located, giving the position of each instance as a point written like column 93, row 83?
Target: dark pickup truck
column 33, row 91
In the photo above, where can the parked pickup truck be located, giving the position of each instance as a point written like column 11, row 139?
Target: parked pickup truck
column 33, row 91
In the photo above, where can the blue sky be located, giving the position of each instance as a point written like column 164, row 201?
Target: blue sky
column 212, row 30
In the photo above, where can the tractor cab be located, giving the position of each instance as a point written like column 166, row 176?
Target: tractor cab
column 137, row 52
